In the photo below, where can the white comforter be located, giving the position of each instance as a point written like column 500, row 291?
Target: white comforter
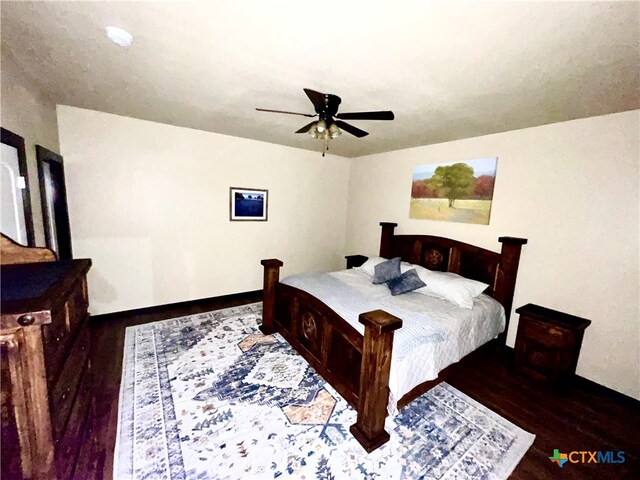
column 467, row 330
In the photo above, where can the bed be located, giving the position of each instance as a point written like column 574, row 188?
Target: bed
column 357, row 357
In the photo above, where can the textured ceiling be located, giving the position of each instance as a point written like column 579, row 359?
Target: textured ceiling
column 448, row 70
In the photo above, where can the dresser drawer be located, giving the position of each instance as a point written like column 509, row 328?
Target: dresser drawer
column 56, row 341
column 58, row 335
column 545, row 334
column 69, row 443
column 64, row 390
column 76, row 306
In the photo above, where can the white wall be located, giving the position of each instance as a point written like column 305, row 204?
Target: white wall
column 149, row 203
column 30, row 113
column 572, row 189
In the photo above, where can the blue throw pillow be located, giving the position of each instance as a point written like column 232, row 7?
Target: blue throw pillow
column 386, row 271
column 405, row 283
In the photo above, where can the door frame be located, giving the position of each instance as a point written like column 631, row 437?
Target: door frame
column 45, row 155
column 17, row 142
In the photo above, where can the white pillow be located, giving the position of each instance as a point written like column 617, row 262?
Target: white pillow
column 369, row 266
column 406, row 266
column 449, row 286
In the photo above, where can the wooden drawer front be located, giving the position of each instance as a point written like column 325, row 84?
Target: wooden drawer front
column 64, row 390
column 56, row 342
column 545, row 334
column 540, row 361
column 76, row 306
column 69, row 443
column 60, row 333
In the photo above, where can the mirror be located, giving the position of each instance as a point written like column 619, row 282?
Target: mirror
column 15, row 200
column 53, row 195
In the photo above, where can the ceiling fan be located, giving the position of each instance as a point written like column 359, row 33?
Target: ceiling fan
column 330, row 122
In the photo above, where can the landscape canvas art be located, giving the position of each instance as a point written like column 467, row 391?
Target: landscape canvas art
column 454, row 191
column 247, row 204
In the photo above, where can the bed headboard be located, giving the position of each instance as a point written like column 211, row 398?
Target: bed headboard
column 499, row 270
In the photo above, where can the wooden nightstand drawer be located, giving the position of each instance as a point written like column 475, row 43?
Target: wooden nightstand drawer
column 538, row 361
column 549, row 335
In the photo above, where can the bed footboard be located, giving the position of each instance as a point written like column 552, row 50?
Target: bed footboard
column 356, row 366
column 271, row 279
column 374, row 378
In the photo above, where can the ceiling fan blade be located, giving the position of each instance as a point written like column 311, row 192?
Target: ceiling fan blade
column 316, row 98
column 282, row 111
column 306, row 128
column 380, row 115
column 351, row 129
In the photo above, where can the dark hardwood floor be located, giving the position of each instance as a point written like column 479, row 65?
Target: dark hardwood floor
column 587, row 420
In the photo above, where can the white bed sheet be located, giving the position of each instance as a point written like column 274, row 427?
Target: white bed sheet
column 468, row 330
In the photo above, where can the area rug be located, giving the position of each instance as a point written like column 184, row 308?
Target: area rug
column 209, row 397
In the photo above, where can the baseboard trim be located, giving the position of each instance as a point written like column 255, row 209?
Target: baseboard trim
column 623, row 398
column 171, row 306
column 587, row 384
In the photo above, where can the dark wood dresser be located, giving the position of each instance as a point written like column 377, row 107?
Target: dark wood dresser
column 548, row 344
column 46, row 372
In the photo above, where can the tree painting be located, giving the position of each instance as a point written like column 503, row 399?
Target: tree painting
column 453, row 181
column 454, row 191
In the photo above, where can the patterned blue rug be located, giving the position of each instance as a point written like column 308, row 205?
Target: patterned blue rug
column 209, row 397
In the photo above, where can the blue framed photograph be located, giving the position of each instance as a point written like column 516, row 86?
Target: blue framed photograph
column 248, row 204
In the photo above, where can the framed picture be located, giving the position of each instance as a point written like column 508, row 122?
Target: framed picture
column 248, row 204
column 454, row 191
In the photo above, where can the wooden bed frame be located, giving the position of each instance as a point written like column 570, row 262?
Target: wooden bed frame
column 358, row 366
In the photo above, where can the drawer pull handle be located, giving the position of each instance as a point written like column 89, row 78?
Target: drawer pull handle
column 26, row 320
column 57, row 338
column 554, row 331
column 64, row 394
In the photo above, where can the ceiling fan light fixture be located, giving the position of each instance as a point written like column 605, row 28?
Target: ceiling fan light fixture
column 326, row 108
column 334, row 131
column 313, row 131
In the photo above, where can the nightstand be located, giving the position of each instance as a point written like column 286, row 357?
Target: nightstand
column 548, row 344
column 355, row 260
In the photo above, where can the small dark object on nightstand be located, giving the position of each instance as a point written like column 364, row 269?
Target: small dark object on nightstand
column 355, row 260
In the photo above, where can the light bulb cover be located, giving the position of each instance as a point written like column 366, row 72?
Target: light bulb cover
column 334, row 131
column 119, row 36
column 321, row 126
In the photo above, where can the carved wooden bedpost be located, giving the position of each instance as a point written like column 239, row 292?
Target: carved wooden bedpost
column 506, row 284
column 271, row 278
column 374, row 378
column 386, row 238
